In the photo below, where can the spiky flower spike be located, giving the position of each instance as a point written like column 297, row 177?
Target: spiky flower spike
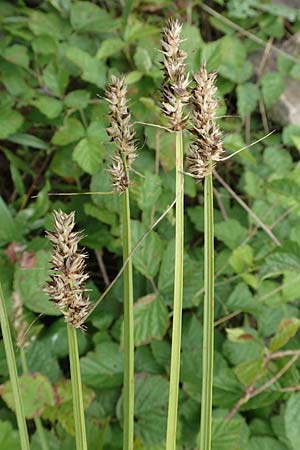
column 206, row 147
column 66, row 285
column 120, row 132
column 19, row 323
column 175, row 83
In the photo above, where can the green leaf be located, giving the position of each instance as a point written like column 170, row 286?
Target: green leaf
column 151, row 319
column 92, row 70
column 234, row 64
column 241, row 258
column 273, row 86
column 110, row 47
column 8, row 229
column 78, row 99
column 90, row 18
column 49, row 24
column 231, row 232
column 151, row 395
column 149, row 191
column 9, row 438
column 103, row 368
column 50, row 107
column 72, row 130
column 17, row 54
column 228, row 435
column 291, row 419
column 62, row 410
column 286, row 330
column 241, row 298
column 285, row 258
column 28, row 140
column 146, row 258
column 265, row 443
column 250, row 371
column 36, row 393
column 88, row 154
column 10, row 122
column 30, row 279
column 142, row 60
column 247, row 97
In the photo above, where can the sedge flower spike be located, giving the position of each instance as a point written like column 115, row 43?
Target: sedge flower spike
column 175, row 93
column 206, row 147
column 120, row 132
column 66, row 284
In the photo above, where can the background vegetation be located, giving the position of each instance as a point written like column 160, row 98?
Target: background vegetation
column 56, row 57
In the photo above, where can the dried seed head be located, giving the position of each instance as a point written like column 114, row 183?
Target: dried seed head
column 174, row 88
column 66, row 284
column 121, row 133
column 206, row 147
column 19, row 323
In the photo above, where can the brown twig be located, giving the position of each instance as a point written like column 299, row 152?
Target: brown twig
column 251, row 392
column 102, row 267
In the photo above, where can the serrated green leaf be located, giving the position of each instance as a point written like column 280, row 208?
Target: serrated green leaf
column 286, row 330
column 10, row 122
column 231, row 232
column 88, row 154
column 228, row 435
column 17, row 54
column 250, row 371
column 8, row 230
column 146, row 258
column 272, row 85
column 247, row 97
column 291, row 420
column 36, row 391
column 90, row 18
column 110, row 47
column 72, row 130
column 30, row 279
column 50, row 107
column 78, row 99
column 265, row 443
column 9, row 437
column 28, row 140
column 151, row 319
column 92, row 70
column 103, row 368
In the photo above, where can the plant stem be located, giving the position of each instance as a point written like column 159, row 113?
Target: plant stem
column 208, row 319
column 37, row 420
column 178, row 293
column 128, row 432
column 80, row 432
column 13, row 374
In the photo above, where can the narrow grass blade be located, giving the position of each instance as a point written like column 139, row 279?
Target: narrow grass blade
column 208, row 319
column 128, row 432
column 178, row 293
column 80, row 432
column 13, row 374
column 37, row 420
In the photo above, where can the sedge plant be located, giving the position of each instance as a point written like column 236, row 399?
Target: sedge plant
column 66, row 289
column 174, row 98
column 205, row 149
column 20, row 328
column 13, row 374
column 123, row 136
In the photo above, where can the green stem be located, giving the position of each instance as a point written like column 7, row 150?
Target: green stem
column 208, row 318
column 37, row 420
column 13, row 374
column 177, row 306
column 80, row 432
column 128, row 433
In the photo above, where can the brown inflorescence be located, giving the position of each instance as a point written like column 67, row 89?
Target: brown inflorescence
column 66, row 284
column 175, row 93
column 206, row 147
column 120, row 132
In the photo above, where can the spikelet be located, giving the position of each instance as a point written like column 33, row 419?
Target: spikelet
column 206, row 147
column 175, row 93
column 120, row 132
column 18, row 322
column 66, row 284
